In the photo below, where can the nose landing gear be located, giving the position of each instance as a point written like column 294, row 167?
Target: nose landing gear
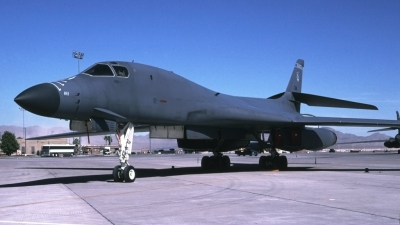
column 124, row 172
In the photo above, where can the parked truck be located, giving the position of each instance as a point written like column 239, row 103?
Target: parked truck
column 246, row 151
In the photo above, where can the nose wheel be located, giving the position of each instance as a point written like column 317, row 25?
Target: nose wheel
column 124, row 172
column 127, row 174
column 118, row 174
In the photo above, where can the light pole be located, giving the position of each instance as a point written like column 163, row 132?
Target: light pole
column 23, row 126
column 24, row 137
column 150, row 152
column 78, row 55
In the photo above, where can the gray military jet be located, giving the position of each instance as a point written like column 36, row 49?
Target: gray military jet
column 123, row 97
column 388, row 143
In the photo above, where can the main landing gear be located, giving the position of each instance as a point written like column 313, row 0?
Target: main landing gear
column 125, row 172
column 216, row 161
column 273, row 161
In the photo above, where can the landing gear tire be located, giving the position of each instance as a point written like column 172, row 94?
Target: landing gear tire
column 270, row 162
column 205, row 162
column 275, row 162
column 282, row 162
column 117, row 174
column 262, row 162
column 213, row 163
column 267, row 162
column 129, row 174
column 225, row 162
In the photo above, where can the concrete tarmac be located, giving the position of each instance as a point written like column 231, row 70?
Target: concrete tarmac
column 321, row 188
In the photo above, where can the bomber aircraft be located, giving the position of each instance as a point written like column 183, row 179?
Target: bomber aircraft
column 388, row 143
column 123, row 97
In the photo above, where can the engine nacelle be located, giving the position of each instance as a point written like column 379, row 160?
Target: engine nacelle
column 93, row 125
column 397, row 138
column 392, row 143
column 318, row 138
column 295, row 139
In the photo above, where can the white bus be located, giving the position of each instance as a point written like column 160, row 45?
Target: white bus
column 56, row 150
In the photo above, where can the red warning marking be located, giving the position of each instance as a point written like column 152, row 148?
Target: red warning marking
column 163, row 101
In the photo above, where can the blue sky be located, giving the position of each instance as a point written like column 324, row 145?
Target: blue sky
column 246, row 48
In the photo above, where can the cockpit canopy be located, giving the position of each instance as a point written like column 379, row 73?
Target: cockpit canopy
column 103, row 69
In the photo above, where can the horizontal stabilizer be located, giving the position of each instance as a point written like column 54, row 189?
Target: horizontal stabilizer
column 389, row 128
column 315, row 100
column 384, row 129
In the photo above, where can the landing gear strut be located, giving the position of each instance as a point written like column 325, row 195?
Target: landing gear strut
column 273, row 161
column 216, row 161
column 124, row 172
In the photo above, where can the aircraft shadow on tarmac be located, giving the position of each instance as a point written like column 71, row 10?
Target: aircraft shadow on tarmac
column 147, row 173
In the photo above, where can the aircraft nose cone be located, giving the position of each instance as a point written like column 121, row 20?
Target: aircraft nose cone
column 41, row 99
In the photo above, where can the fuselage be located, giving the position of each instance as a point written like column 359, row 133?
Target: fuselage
column 149, row 95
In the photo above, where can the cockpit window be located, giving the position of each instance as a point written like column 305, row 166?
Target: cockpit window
column 99, row 70
column 121, row 71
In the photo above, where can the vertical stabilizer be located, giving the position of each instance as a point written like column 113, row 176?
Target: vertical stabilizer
column 296, row 78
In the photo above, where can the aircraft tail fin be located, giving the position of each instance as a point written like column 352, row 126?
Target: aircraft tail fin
column 296, row 78
column 293, row 94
